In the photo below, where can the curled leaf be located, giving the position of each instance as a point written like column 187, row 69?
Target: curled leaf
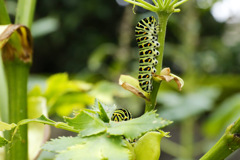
column 148, row 146
column 131, row 84
column 20, row 45
column 167, row 76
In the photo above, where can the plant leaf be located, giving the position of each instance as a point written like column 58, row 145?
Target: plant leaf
column 21, row 44
column 64, row 95
column 167, row 76
column 105, row 112
column 226, row 113
column 87, row 124
column 148, row 146
column 3, row 141
column 186, row 105
column 96, row 148
column 131, row 84
column 4, row 126
column 136, row 127
column 62, row 143
column 102, row 114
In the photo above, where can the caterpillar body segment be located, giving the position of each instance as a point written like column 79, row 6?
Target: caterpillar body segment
column 147, row 60
column 149, row 44
column 146, row 36
column 146, row 39
column 148, row 52
column 121, row 115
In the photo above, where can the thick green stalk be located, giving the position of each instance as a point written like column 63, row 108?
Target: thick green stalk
column 25, row 12
column 162, row 19
column 3, row 93
column 227, row 144
column 17, row 71
column 17, row 76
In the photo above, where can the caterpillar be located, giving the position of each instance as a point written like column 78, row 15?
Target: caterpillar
column 146, row 32
column 121, row 115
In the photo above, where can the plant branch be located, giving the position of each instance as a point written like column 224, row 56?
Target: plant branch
column 227, row 144
column 156, row 4
column 148, row 6
column 174, row 2
column 167, row 2
column 160, row 3
column 179, row 3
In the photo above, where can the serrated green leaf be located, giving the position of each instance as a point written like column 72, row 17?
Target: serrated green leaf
column 62, row 143
column 3, row 141
column 86, row 123
column 101, row 147
column 102, row 114
column 136, row 127
column 4, row 126
column 107, row 109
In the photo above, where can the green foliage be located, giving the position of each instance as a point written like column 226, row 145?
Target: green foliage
column 63, row 95
column 225, row 114
column 152, row 140
column 86, row 123
column 133, row 129
column 104, row 140
column 103, row 111
column 3, row 141
column 187, row 105
column 100, row 147
column 4, row 127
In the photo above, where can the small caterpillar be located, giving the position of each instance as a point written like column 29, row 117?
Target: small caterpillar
column 121, row 115
column 146, row 32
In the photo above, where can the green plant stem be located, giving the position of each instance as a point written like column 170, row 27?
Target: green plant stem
column 4, row 17
column 162, row 19
column 187, row 138
column 3, row 93
column 17, row 76
column 25, row 12
column 17, row 72
column 227, row 144
column 171, row 147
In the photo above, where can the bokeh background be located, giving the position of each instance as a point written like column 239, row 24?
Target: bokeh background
column 91, row 43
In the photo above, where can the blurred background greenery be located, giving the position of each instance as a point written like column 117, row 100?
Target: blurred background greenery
column 93, row 41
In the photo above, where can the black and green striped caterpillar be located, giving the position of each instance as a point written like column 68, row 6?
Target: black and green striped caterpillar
column 121, row 115
column 147, row 32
